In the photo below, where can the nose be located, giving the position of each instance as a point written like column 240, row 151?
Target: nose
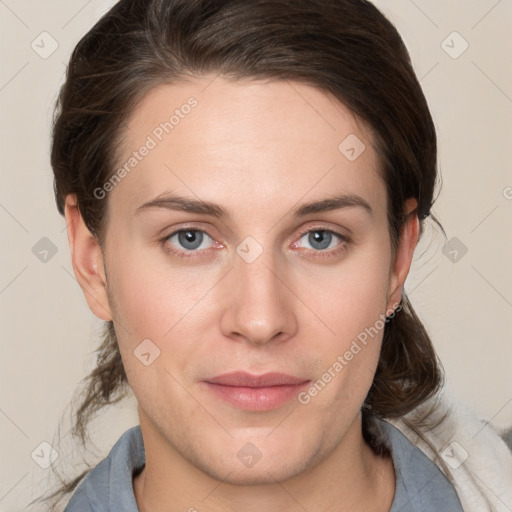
column 259, row 304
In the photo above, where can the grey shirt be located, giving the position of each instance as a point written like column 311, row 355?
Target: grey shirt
column 420, row 484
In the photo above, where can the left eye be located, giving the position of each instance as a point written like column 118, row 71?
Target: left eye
column 321, row 239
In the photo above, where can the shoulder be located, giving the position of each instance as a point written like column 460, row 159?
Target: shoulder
column 92, row 492
column 420, row 484
column 466, row 448
column 108, row 486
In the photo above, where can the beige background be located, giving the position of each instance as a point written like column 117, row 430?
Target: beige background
column 48, row 333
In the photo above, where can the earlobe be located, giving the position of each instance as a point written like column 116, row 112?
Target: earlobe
column 87, row 260
column 404, row 253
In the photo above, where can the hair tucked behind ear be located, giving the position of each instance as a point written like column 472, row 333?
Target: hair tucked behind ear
column 346, row 48
column 105, row 385
column 407, row 373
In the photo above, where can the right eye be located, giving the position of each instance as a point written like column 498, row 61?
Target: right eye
column 186, row 242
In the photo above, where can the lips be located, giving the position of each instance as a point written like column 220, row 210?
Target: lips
column 243, row 379
column 255, row 392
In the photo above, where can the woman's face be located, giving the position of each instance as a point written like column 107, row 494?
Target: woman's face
column 283, row 281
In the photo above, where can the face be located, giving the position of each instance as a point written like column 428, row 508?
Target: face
column 253, row 270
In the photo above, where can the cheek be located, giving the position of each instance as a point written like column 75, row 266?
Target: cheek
column 352, row 297
column 151, row 295
column 156, row 302
column 353, row 307
column 159, row 301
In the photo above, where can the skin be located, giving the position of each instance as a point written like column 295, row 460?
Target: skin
column 259, row 149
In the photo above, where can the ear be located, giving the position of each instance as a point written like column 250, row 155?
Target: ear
column 404, row 253
column 87, row 260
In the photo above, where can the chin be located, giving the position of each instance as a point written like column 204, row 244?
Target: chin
column 256, row 461
column 234, row 473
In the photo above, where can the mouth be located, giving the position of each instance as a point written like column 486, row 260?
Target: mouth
column 255, row 392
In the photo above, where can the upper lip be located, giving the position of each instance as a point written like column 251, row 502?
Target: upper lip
column 245, row 379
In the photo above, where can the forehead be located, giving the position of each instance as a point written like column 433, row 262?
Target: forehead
column 259, row 141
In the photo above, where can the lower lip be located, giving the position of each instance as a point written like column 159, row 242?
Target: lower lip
column 256, row 399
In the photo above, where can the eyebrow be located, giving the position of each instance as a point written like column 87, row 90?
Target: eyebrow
column 188, row 204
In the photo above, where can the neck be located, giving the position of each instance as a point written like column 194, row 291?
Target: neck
column 350, row 478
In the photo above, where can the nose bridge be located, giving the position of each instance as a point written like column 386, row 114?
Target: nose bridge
column 260, row 304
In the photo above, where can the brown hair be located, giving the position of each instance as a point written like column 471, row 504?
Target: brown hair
column 343, row 47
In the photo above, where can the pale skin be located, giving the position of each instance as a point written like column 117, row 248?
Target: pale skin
column 260, row 150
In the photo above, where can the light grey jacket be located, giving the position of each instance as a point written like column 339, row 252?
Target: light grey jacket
column 471, row 453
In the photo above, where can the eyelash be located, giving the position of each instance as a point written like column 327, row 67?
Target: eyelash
column 345, row 240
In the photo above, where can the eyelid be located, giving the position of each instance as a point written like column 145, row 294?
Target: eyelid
column 322, row 228
column 187, row 227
